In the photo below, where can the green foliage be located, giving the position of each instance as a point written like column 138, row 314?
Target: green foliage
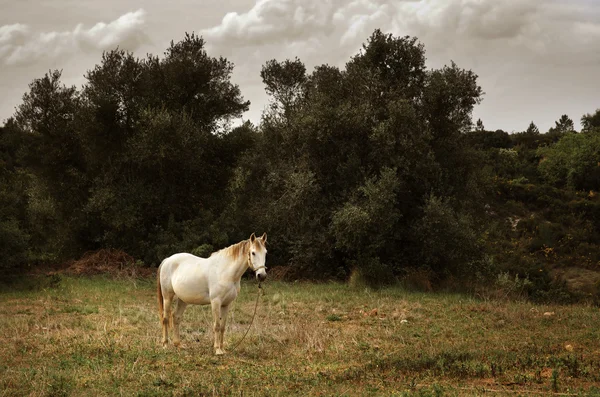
column 203, row 250
column 532, row 129
column 373, row 171
column 591, row 122
column 450, row 94
column 14, row 237
column 371, row 272
column 143, row 142
column 13, row 243
column 284, row 82
column 572, row 161
column 50, row 152
column 481, row 139
column 507, row 162
column 513, row 287
column 365, row 223
column 449, row 239
column 177, row 236
column 563, row 125
column 345, row 170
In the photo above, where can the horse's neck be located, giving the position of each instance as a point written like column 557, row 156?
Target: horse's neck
column 234, row 266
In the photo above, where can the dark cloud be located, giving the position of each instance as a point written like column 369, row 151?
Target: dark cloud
column 536, row 59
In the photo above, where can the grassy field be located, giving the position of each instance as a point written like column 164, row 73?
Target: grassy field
column 100, row 336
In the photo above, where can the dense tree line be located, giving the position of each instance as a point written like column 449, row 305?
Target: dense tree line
column 373, row 171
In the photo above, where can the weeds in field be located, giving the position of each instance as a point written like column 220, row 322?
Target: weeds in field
column 99, row 336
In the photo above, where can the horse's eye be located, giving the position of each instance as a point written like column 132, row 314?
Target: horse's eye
column 254, row 253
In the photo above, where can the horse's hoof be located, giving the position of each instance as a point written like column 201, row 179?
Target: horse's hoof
column 220, row 352
column 177, row 343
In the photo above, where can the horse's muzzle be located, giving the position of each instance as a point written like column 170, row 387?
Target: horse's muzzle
column 261, row 276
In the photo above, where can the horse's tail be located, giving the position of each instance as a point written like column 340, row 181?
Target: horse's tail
column 161, row 307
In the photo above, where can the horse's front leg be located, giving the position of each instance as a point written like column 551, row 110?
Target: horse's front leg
column 218, row 320
column 224, row 313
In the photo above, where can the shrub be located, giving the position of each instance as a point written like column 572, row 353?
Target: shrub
column 572, row 161
column 512, row 287
column 448, row 240
column 371, row 272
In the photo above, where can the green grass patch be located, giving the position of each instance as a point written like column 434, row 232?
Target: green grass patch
column 98, row 336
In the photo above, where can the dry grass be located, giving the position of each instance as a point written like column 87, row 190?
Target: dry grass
column 100, row 336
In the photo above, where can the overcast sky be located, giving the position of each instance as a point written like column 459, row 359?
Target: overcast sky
column 536, row 59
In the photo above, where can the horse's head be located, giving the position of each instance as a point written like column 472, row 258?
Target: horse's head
column 257, row 256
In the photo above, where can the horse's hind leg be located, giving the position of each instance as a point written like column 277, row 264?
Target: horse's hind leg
column 177, row 316
column 167, row 302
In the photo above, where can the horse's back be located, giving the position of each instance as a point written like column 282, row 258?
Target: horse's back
column 181, row 258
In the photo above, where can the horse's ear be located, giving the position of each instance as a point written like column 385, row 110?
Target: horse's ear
column 252, row 238
column 264, row 237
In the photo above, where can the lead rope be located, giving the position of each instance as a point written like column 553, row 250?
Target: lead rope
column 260, row 290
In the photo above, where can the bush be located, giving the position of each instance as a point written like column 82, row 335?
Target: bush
column 14, row 238
column 448, row 240
column 512, row 287
column 371, row 272
column 203, row 251
column 572, row 161
column 364, row 227
column 13, row 245
column 183, row 236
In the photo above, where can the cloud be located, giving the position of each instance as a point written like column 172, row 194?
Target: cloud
column 273, row 21
column 542, row 29
column 19, row 45
column 523, row 50
column 11, row 35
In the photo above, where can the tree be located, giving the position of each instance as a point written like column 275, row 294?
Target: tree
column 449, row 238
column 488, row 139
column 343, row 180
column 132, row 161
column 188, row 79
column 386, row 68
column 47, row 117
column 479, row 126
column 563, row 125
column 590, row 122
column 572, row 162
column 157, row 147
column 14, row 236
column 113, row 99
column 449, row 96
column 285, row 83
column 532, row 129
column 366, row 225
column 49, row 120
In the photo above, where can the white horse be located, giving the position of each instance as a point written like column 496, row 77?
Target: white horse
column 188, row 279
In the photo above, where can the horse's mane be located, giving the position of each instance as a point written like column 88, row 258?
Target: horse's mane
column 235, row 250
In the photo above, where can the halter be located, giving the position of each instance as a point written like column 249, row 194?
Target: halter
column 251, row 264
